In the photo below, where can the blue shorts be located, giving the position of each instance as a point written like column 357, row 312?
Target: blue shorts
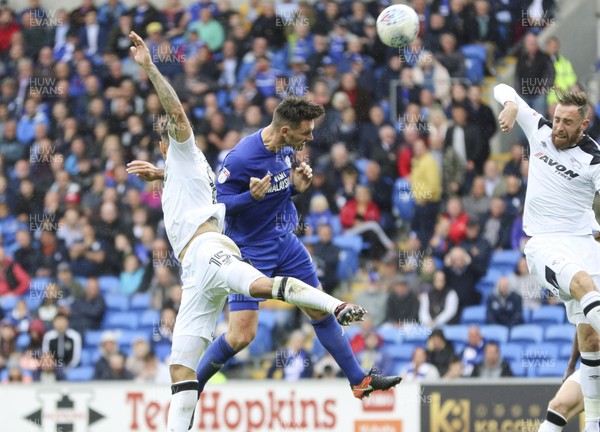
column 284, row 256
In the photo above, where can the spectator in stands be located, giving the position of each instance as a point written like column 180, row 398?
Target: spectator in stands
column 163, row 278
column 374, row 298
column 70, row 287
column 373, row 355
column 36, row 335
column 360, row 99
column 504, row 306
column 27, row 256
column 425, row 180
column 481, row 115
column 49, row 307
column 361, row 216
column 514, row 195
column 462, row 277
column 420, row 369
column 143, row 13
column 384, row 151
column 472, row 353
column 14, row 373
column 564, row 74
column 525, row 285
column 108, row 347
column 513, row 166
column 493, row 179
column 448, row 53
column 430, row 74
column 357, row 342
column 492, row 365
column 294, row 362
column 496, row 226
column 163, row 334
column 478, row 248
column 266, row 26
column 455, row 370
column 21, row 316
column 477, row 203
column 8, row 341
column 117, row 370
column 131, row 277
column 381, row 190
column 53, row 252
column 458, row 220
column 439, row 244
column 63, row 342
column 440, row 351
column 483, row 30
column 49, row 370
column 136, row 361
column 13, row 279
column 534, row 74
column 87, row 313
column 402, row 304
column 88, row 255
column 440, row 306
column 327, row 257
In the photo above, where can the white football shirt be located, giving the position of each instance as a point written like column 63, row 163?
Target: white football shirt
column 189, row 193
column 561, row 183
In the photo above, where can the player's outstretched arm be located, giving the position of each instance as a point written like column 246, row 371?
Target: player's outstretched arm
column 515, row 109
column 178, row 124
column 145, row 170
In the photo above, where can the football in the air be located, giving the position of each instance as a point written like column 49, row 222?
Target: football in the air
column 397, row 25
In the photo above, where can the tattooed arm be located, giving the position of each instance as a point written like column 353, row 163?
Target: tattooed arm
column 178, row 124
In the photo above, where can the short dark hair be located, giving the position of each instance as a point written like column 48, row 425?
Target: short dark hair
column 295, row 109
column 573, row 98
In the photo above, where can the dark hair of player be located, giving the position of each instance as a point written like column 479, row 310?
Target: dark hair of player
column 295, row 109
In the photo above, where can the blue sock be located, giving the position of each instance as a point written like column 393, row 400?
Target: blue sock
column 213, row 360
column 331, row 336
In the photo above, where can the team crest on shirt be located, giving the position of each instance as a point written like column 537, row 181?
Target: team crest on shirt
column 288, row 161
column 544, row 144
column 576, row 164
column 223, row 175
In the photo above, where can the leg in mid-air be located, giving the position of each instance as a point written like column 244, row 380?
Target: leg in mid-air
column 566, row 404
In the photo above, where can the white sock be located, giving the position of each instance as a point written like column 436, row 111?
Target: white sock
column 296, row 292
column 590, row 303
column 590, row 369
column 183, row 402
column 554, row 422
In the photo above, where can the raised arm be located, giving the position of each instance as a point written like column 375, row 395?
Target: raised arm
column 178, row 124
column 515, row 109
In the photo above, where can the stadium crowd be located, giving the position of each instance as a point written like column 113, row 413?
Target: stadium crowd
column 402, row 159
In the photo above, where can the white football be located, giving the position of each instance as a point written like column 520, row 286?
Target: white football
column 397, row 25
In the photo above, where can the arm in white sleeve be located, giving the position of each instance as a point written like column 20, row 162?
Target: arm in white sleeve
column 450, row 309
column 424, row 316
column 527, row 117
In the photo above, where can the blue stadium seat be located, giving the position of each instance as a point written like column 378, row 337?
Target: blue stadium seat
column 151, row 319
column 517, row 368
column 416, row 334
column 92, row 338
column 128, row 337
column 495, row 332
column 263, row 342
column 120, row 320
column 399, row 367
column 527, row 315
column 162, row 351
column 400, row 352
column 543, row 351
column 402, row 199
column 527, row 334
column 108, row 284
column 23, row 341
column 475, row 56
column 118, row 302
column 351, row 246
column 141, row 301
column 8, row 302
column 505, row 260
column 456, row 333
column 548, row 315
column 473, row 315
column 336, row 225
column 361, row 165
column 390, row 335
column 563, row 333
column 82, row 373
column 82, row 280
column 267, row 318
column 564, row 352
column 511, row 352
column 551, row 368
column 353, row 329
column 89, row 356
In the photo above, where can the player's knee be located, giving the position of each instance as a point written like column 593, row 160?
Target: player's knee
column 241, row 340
column 560, row 406
column 181, row 373
column 581, row 284
column 261, row 288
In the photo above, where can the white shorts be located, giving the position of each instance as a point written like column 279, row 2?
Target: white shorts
column 575, row 377
column 211, row 269
column 554, row 260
